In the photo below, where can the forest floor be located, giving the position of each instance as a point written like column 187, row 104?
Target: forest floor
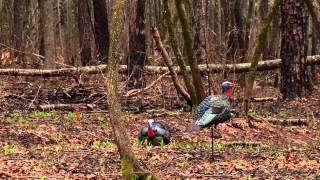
column 77, row 144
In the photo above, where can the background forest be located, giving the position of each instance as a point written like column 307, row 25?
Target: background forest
column 80, row 79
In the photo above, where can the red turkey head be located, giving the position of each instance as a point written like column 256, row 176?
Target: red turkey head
column 150, row 132
column 227, row 87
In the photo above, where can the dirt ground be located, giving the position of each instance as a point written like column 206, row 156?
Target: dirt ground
column 77, row 144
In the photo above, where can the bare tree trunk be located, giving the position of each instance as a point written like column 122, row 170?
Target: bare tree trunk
column 63, row 31
column 47, row 32
column 129, row 164
column 188, row 42
column 274, row 38
column 6, row 22
column 263, row 10
column 238, row 14
column 73, row 37
column 137, row 44
column 262, row 37
column 249, row 20
column 264, row 5
column 296, row 77
column 85, row 31
column 19, row 20
column 32, row 44
column 177, row 52
column 101, row 29
column 314, row 50
column 198, row 26
column 315, row 14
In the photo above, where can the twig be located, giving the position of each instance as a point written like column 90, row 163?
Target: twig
column 35, row 97
column 136, row 91
column 174, row 76
column 28, row 53
column 16, row 96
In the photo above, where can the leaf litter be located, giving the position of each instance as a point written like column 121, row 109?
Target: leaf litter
column 58, row 146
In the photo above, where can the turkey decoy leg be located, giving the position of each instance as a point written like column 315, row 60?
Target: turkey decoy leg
column 212, row 158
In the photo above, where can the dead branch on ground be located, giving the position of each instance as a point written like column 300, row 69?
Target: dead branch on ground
column 214, row 68
column 282, row 122
column 46, row 107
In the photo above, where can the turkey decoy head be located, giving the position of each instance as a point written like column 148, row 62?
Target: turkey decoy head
column 150, row 132
column 227, row 87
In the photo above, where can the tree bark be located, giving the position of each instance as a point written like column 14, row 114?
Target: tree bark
column 47, row 32
column 249, row 21
column 264, row 6
column 19, row 20
column 238, row 14
column 315, row 14
column 101, row 29
column 137, row 44
column 296, row 76
column 188, row 42
column 84, row 31
column 263, row 10
column 6, row 22
column 63, row 31
column 73, row 43
column 198, row 26
column 312, row 7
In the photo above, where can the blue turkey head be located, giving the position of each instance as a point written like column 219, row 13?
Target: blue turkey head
column 227, row 87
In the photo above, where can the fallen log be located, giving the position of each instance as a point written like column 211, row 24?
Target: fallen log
column 282, row 122
column 234, row 68
column 46, row 107
column 214, row 68
column 289, row 122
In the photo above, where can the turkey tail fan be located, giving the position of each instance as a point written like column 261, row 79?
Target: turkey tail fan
column 193, row 128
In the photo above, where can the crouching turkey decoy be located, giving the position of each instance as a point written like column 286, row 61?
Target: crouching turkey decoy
column 156, row 133
column 213, row 110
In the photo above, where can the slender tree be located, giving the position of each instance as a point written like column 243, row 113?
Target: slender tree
column 47, row 32
column 238, row 14
column 198, row 26
column 85, row 31
column 72, row 34
column 6, row 22
column 188, row 45
column 174, row 45
column 295, row 75
column 63, row 31
column 137, row 43
column 129, row 164
column 262, row 37
column 101, row 29
column 19, row 21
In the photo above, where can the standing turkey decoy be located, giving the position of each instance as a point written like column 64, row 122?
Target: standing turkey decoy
column 156, row 133
column 213, row 110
